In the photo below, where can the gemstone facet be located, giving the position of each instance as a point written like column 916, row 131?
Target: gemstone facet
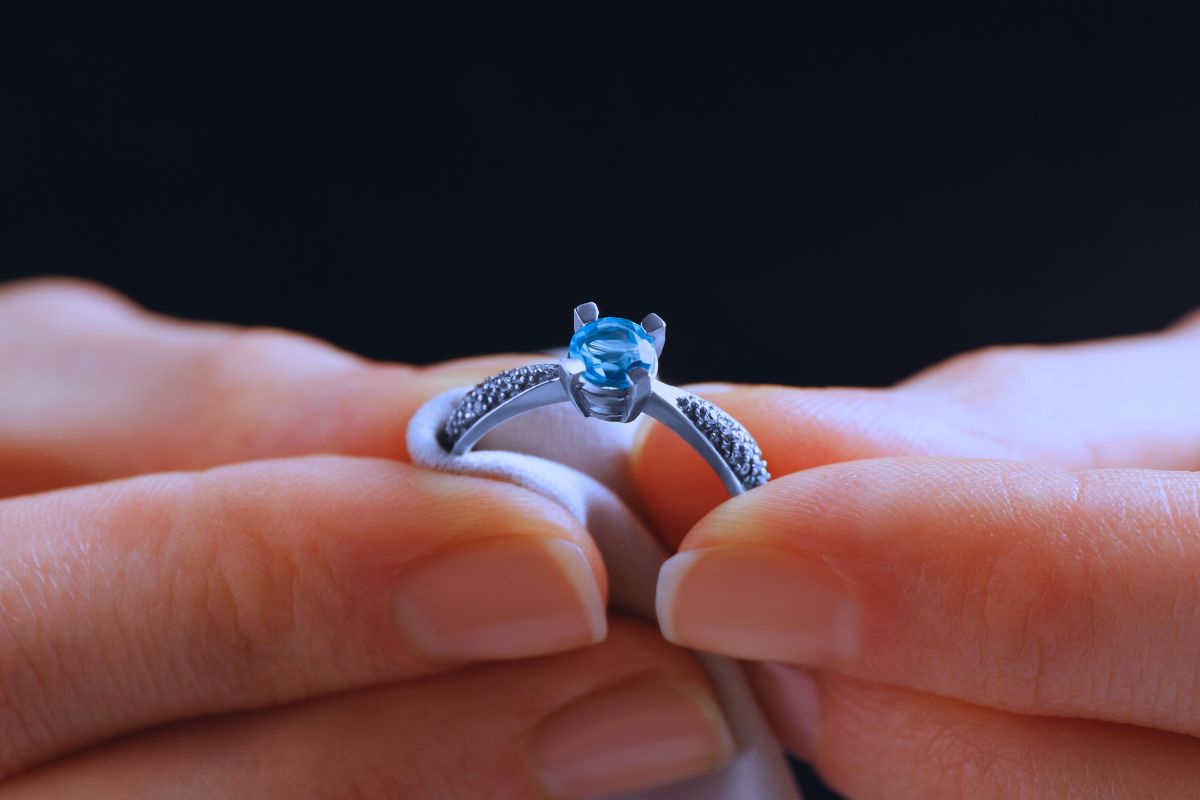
column 609, row 348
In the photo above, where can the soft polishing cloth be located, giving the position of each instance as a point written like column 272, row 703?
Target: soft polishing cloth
column 583, row 464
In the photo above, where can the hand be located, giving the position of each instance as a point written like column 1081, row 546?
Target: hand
column 254, row 621
column 1011, row 609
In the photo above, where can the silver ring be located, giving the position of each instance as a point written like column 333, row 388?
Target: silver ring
column 609, row 373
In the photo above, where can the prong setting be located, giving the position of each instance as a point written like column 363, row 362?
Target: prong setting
column 641, row 384
column 611, row 364
column 654, row 325
column 585, row 313
column 610, row 374
column 571, row 375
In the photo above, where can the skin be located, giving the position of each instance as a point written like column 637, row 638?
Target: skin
column 1016, row 526
column 1019, row 530
column 201, row 531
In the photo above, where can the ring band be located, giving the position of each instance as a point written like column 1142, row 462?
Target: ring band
column 610, row 374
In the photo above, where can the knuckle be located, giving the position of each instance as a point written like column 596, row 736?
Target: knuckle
column 224, row 366
column 208, row 596
column 971, row 759
column 253, row 386
column 372, row 781
column 997, row 360
column 962, row 764
column 237, row 609
column 1145, row 598
column 1023, row 607
column 250, row 353
column 62, row 296
column 244, row 593
column 990, row 373
column 955, row 763
column 893, row 743
column 48, row 679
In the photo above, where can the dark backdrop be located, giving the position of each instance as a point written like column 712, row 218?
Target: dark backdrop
column 810, row 200
column 813, row 201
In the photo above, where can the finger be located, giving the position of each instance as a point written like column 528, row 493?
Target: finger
column 870, row 740
column 95, row 388
column 1124, row 402
column 1020, row 587
column 135, row 602
column 627, row 714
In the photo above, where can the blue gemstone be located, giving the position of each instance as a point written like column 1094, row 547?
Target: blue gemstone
column 609, row 347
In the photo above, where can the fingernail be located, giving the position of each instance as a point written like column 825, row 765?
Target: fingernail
column 759, row 603
column 508, row 597
column 789, row 697
column 637, row 734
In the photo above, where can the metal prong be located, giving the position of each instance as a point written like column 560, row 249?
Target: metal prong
column 654, row 325
column 640, row 386
column 588, row 312
column 572, row 366
column 571, row 374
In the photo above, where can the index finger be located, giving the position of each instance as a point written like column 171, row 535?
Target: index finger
column 1125, row 402
column 95, row 388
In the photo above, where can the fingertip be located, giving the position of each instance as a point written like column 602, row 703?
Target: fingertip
column 500, row 598
column 505, row 508
column 670, row 575
column 588, row 585
column 532, row 514
column 639, row 733
column 676, row 484
column 371, row 499
column 759, row 603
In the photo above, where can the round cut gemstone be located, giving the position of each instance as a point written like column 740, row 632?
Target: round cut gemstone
column 609, row 348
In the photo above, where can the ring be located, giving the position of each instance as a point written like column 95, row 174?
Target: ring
column 609, row 373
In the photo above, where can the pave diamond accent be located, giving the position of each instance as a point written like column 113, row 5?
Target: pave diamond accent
column 492, row 392
column 733, row 442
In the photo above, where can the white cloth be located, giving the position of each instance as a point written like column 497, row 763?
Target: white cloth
column 582, row 463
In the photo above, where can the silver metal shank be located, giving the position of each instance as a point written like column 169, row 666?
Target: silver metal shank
column 727, row 446
column 723, row 442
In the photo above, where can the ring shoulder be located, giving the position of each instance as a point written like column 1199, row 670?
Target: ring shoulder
column 497, row 399
column 723, row 442
column 719, row 435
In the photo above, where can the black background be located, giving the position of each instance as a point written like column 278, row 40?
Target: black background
column 811, row 200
